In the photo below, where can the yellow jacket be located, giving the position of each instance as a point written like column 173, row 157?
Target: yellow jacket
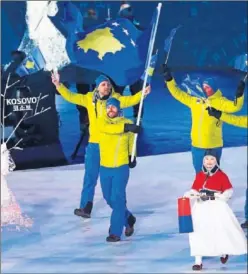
column 114, row 148
column 206, row 131
column 238, row 121
column 98, row 110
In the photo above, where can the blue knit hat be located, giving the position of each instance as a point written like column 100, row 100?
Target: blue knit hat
column 211, row 82
column 114, row 102
column 101, row 79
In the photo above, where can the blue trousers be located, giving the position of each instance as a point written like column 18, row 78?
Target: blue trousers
column 246, row 205
column 113, row 183
column 198, row 155
column 92, row 166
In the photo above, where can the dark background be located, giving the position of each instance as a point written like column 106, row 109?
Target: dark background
column 213, row 34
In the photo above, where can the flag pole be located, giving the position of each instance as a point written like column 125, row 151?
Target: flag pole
column 167, row 56
column 150, row 50
column 42, row 15
column 245, row 77
column 109, row 18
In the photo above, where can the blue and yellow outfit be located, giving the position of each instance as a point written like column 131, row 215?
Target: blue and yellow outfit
column 96, row 109
column 206, row 132
column 114, row 170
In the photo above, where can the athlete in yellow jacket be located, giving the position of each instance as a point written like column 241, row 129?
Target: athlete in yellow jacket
column 206, row 132
column 95, row 102
column 115, row 151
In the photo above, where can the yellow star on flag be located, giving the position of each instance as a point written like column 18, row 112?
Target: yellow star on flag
column 29, row 65
column 150, row 71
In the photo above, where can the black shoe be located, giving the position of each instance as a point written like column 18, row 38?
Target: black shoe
column 88, row 207
column 113, row 238
column 81, row 213
column 197, row 267
column 130, row 229
column 224, row 259
column 84, row 212
column 245, row 224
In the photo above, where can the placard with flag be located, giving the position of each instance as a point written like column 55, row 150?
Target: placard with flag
column 116, row 48
column 184, row 215
column 34, row 62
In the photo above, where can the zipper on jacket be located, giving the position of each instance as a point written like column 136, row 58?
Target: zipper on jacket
column 117, row 151
column 101, row 109
column 95, row 105
column 200, row 125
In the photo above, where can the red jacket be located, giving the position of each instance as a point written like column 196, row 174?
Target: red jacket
column 216, row 182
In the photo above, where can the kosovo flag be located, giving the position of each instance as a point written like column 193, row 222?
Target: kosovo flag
column 150, row 69
column 116, row 48
column 34, row 62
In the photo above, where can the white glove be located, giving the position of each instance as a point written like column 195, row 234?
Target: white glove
column 225, row 196
column 191, row 194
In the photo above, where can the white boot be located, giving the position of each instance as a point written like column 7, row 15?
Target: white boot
column 198, row 263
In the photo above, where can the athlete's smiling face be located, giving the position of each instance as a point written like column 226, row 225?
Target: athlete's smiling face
column 104, row 88
column 112, row 111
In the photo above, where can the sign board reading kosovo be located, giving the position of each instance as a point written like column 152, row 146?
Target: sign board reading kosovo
column 22, row 104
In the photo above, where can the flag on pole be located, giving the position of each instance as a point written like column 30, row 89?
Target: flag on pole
column 168, row 40
column 34, row 62
column 193, row 86
column 151, row 68
column 116, row 48
column 148, row 62
column 241, row 63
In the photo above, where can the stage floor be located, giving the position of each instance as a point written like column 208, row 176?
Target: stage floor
column 60, row 242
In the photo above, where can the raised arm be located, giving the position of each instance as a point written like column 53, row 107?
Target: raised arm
column 174, row 90
column 132, row 100
column 75, row 98
column 179, row 94
column 228, row 106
